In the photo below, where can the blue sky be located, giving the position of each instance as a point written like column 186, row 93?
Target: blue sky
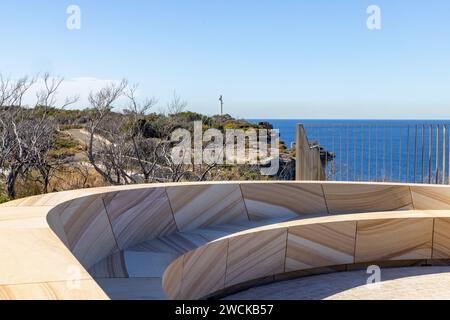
column 270, row 59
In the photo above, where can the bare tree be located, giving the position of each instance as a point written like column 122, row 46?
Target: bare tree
column 105, row 156
column 27, row 134
column 120, row 149
column 144, row 149
column 135, row 107
column 15, row 152
column 176, row 105
column 47, row 96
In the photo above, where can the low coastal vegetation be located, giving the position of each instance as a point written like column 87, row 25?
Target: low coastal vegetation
column 48, row 147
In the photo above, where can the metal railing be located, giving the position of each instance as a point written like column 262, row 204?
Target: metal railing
column 383, row 151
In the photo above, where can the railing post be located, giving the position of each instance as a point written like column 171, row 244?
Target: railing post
column 376, row 153
column 383, row 170
column 361, row 177
column 407, row 154
column 444, row 153
column 332, row 170
column 370, row 152
column 437, row 153
column 449, row 161
column 415, row 152
column 354, row 153
column 347, row 149
column 319, row 165
column 400, row 155
column 306, row 162
column 297, row 153
column 430, row 144
column 340, row 152
column 391, row 174
column 423, row 153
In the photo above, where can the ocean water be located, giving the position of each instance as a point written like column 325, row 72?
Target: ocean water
column 378, row 150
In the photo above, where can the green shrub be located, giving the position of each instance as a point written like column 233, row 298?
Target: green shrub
column 3, row 198
column 64, row 127
column 65, row 143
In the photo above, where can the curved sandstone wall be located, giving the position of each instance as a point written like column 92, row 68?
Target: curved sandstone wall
column 43, row 239
column 287, row 249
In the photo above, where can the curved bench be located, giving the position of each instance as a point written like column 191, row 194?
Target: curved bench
column 117, row 242
column 292, row 249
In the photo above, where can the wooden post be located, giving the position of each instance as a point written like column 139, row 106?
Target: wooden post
column 307, row 160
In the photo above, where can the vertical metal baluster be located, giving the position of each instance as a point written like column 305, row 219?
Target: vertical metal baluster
column 319, row 162
column 448, row 157
column 316, row 138
column 369, row 153
column 354, row 153
column 327, row 134
column 319, row 165
column 415, row 152
column 346, row 152
column 437, row 153
column 423, row 153
column 340, row 153
column 400, row 155
column 407, row 154
column 308, row 136
column 384, row 154
column 376, row 153
column 309, row 158
column 391, row 177
column 333, row 172
column 362, row 154
column 430, row 150
column 444, row 153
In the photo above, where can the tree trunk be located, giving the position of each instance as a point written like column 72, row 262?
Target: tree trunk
column 11, row 184
column 46, row 183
